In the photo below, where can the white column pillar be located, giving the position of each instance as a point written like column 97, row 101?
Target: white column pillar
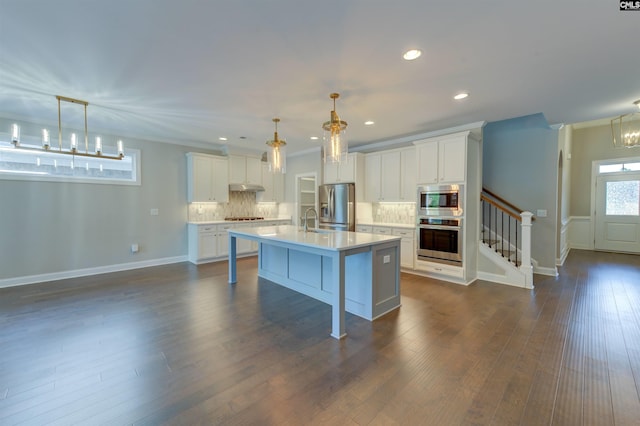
column 526, row 267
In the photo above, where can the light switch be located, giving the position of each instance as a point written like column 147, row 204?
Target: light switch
column 154, row 212
column 541, row 213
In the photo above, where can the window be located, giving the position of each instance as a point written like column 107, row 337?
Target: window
column 623, row 198
column 24, row 164
column 619, row 167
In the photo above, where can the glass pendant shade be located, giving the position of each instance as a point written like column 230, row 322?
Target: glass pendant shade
column 626, row 129
column 15, row 134
column 277, row 154
column 335, row 147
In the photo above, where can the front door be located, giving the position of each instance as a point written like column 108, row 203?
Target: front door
column 618, row 213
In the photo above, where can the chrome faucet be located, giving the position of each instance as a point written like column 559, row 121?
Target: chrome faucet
column 306, row 219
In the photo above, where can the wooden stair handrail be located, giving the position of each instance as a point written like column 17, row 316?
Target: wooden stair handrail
column 503, row 201
column 501, row 208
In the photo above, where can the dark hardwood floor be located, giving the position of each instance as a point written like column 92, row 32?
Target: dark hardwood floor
column 177, row 345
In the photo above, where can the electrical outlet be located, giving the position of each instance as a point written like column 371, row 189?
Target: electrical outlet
column 135, row 248
column 386, row 259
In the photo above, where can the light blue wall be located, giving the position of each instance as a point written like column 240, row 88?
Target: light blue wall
column 53, row 227
column 520, row 164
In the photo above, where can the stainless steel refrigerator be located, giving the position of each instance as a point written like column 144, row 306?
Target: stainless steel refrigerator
column 337, row 206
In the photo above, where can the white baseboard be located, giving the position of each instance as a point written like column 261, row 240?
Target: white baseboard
column 32, row 279
column 500, row 279
column 552, row 272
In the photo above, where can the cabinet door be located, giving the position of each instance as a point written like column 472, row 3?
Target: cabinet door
column 219, row 180
column 201, row 179
column 407, row 253
column 427, row 154
column 330, row 173
column 347, row 169
column 207, row 246
column 408, row 183
column 223, row 240
column 237, row 169
column 390, row 176
column 253, row 171
column 372, row 178
column 452, row 160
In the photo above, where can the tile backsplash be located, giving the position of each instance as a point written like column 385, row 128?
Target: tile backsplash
column 240, row 204
column 402, row 213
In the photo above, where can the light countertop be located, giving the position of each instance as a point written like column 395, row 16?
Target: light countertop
column 390, row 225
column 219, row 221
column 323, row 238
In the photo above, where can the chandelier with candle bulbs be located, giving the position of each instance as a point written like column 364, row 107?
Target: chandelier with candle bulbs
column 625, row 129
column 73, row 148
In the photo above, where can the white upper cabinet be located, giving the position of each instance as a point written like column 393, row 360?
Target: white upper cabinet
column 350, row 170
column 247, row 170
column 372, row 172
column 390, row 175
column 442, row 160
column 409, row 175
column 273, row 186
column 207, row 179
column 344, row 172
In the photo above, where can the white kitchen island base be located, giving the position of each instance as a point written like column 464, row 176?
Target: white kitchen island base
column 356, row 272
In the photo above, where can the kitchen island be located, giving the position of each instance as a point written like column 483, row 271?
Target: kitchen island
column 352, row 271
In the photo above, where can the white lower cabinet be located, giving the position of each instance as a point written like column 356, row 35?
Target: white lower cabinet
column 222, row 238
column 382, row 230
column 364, row 228
column 407, row 247
column 210, row 242
column 440, row 269
column 407, row 242
column 202, row 243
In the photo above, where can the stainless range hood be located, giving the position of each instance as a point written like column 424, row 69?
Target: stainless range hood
column 245, row 187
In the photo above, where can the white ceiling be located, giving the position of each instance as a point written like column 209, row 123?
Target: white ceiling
column 190, row 71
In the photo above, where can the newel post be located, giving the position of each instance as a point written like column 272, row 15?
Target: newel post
column 526, row 267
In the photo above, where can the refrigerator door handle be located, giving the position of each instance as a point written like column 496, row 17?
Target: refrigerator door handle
column 332, row 207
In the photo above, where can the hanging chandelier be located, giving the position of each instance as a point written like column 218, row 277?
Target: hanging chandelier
column 276, row 156
column 73, row 147
column 335, row 146
column 626, row 129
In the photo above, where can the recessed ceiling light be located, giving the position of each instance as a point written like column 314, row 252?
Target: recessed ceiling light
column 314, row 138
column 461, row 95
column 369, row 123
column 222, row 138
column 412, row 54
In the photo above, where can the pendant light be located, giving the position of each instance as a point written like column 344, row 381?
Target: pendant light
column 276, row 156
column 335, row 146
column 626, row 129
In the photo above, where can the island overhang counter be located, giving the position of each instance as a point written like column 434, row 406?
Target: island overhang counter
column 353, row 271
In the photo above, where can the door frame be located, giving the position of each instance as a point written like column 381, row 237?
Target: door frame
column 595, row 165
column 314, row 175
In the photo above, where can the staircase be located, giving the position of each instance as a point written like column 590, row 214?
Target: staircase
column 505, row 242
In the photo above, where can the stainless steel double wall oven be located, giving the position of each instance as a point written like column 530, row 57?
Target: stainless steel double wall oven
column 439, row 227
